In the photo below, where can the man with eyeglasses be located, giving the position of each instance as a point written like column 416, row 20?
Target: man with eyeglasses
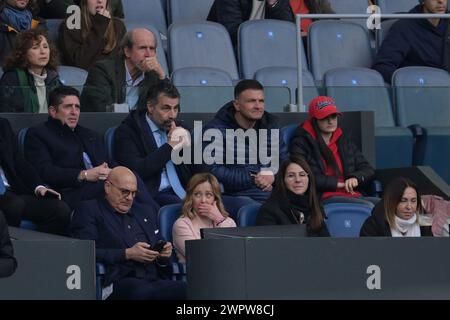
column 125, row 233
column 123, row 80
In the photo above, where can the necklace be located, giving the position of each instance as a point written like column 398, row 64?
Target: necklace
column 299, row 217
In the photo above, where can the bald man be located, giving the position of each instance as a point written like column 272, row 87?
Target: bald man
column 125, row 79
column 125, row 233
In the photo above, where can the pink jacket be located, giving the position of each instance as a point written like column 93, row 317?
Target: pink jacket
column 439, row 209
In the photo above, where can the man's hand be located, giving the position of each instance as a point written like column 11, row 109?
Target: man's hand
column 41, row 191
column 151, row 63
column 264, row 180
column 166, row 252
column 178, row 137
column 140, row 252
column 95, row 174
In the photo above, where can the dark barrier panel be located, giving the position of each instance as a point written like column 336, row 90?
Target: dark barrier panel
column 50, row 267
column 318, row 268
column 427, row 180
column 360, row 125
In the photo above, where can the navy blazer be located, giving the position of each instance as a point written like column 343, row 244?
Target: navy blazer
column 57, row 152
column 136, row 148
column 21, row 175
column 95, row 220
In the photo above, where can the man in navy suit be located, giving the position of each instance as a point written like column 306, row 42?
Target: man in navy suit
column 22, row 192
column 69, row 157
column 143, row 144
column 125, row 233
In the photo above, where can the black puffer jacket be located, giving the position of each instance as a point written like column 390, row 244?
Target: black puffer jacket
column 353, row 162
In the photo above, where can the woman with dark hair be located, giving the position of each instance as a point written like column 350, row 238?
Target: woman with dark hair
column 340, row 169
column 98, row 38
column 15, row 16
column 30, row 74
column 397, row 215
column 202, row 208
column 294, row 199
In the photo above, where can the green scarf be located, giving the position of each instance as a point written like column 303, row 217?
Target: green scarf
column 30, row 99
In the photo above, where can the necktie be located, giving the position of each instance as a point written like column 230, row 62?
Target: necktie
column 172, row 173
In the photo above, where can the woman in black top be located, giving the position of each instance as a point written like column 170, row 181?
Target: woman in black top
column 294, row 200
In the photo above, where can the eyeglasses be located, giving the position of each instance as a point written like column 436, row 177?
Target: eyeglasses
column 125, row 192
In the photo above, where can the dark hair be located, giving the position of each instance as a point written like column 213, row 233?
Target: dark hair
column 281, row 190
column 164, row 87
column 393, row 194
column 59, row 93
column 24, row 42
column 246, row 85
column 325, row 150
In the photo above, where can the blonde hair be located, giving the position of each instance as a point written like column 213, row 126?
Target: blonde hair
column 199, row 178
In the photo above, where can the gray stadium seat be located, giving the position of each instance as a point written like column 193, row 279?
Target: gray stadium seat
column 267, row 43
column 334, row 44
column 422, row 97
column 160, row 46
column 72, row 76
column 351, row 6
column 396, row 6
column 201, row 44
column 385, row 27
column 362, row 89
column 188, row 10
column 201, row 76
column 287, row 77
column 53, row 29
column 146, row 11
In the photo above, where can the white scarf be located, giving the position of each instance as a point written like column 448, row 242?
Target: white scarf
column 41, row 90
column 258, row 10
column 406, row 228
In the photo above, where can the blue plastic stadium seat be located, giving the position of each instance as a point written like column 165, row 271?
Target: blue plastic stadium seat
column 346, row 219
column 246, row 216
column 109, row 142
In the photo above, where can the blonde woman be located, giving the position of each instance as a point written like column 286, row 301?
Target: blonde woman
column 202, row 208
column 98, row 38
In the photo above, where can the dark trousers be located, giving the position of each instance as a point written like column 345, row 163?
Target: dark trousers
column 143, row 289
column 50, row 215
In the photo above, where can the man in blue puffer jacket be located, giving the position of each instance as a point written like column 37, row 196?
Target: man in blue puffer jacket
column 416, row 42
column 246, row 146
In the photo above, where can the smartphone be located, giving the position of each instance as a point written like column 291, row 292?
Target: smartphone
column 158, row 245
column 51, row 195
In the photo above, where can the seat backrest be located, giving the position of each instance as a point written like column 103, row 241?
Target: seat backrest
column 167, row 217
column 53, row 29
column 287, row 133
column 396, row 6
column 72, row 76
column 346, row 219
column 247, row 214
column 422, row 96
column 385, row 28
column 160, row 53
column 350, row 6
column 28, row 224
column 287, row 77
column 334, row 44
column 267, row 43
column 201, row 76
column 201, row 44
column 189, row 10
column 21, row 140
column 109, row 142
column 360, row 89
column 146, row 11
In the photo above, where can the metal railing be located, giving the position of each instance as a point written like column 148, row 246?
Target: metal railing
column 336, row 16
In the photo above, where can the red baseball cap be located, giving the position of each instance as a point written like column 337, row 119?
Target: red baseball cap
column 321, row 107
